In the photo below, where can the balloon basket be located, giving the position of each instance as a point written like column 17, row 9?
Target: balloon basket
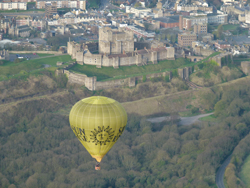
column 98, row 166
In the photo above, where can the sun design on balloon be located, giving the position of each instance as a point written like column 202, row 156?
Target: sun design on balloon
column 102, row 135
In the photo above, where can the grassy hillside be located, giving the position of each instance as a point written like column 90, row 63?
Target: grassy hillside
column 244, row 174
column 105, row 73
column 12, row 69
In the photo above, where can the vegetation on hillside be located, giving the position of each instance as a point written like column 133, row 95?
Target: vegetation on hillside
column 209, row 74
column 25, row 68
column 38, row 149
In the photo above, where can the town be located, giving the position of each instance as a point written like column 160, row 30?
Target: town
column 155, row 90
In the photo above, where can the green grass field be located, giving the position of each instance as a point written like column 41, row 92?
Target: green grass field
column 230, row 27
column 208, row 118
column 109, row 73
column 10, row 69
column 44, row 55
column 105, row 73
column 40, row 55
column 244, row 174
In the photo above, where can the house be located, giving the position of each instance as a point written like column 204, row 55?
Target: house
column 222, row 44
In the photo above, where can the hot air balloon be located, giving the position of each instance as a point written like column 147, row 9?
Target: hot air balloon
column 98, row 122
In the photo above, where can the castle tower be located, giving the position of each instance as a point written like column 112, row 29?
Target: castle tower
column 159, row 4
column 115, row 41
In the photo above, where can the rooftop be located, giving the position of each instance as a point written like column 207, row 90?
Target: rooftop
column 168, row 19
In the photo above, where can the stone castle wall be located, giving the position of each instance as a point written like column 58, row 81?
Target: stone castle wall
column 184, row 73
column 92, row 84
column 220, row 57
column 125, row 59
column 245, row 66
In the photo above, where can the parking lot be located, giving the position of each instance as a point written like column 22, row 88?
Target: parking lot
column 25, row 56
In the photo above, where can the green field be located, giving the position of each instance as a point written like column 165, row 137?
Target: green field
column 44, row 55
column 208, row 118
column 109, row 73
column 40, row 55
column 230, row 27
column 105, row 73
column 10, row 69
column 244, row 174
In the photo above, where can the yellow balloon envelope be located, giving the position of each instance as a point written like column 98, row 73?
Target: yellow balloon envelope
column 98, row 122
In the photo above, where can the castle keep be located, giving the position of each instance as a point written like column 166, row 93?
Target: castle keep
column 115, row 42
column 116, row 48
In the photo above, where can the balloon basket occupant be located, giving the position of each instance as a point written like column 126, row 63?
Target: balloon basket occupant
column 98, row 122
column 97, row 166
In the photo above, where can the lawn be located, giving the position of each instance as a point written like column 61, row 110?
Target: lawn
column 44, row 55
column 244, row 174
column 93, row 4
column 109, row 73
column 105, row 73
column 40, row 55
column 11, row 68
column 209, row 118
column 230, row 27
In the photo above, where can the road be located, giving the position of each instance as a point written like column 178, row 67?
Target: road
column 184, row 120
column 193, row 119
column 220, row 173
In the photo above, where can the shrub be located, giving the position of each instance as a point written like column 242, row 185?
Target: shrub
column 166, row 78
column 189, row 106
column 194, row 110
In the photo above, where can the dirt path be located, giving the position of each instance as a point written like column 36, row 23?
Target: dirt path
column 184, row 120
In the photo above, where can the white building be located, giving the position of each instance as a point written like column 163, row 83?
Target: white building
column 139, row 12
column 13, row 6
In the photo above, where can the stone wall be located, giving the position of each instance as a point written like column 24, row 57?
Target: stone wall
column 195, row 58
column 75, row 78
column 184, row 73
column 142, row 45
column 126, row 59
column 222, row 58
column 92, row 84
column 245, row 66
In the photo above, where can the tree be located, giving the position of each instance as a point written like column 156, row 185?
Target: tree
column 137, row 4
column 220, row 108
column 146, row 26
column 219, row 31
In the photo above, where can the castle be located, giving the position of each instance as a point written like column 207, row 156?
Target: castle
column 116, row 48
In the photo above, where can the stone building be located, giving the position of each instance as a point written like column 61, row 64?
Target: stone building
column 20, row 31
column 116, row 48
column 200, row 28
column 4, row 54
column 115, row 41
column 186, row 39
column 50, row 9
